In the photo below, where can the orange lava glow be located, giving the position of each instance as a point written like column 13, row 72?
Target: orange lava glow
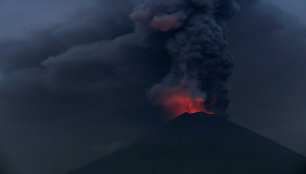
column 178, row 102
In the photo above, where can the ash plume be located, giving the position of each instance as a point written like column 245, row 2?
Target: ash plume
column 195, row 36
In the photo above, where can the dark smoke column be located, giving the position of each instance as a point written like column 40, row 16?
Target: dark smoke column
column 194, row 30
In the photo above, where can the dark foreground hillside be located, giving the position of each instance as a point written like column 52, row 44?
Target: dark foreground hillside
column 199, row 144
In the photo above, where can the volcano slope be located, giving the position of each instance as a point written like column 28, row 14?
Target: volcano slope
column 198, row 144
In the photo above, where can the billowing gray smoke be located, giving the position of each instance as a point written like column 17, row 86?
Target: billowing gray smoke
column 196, row 41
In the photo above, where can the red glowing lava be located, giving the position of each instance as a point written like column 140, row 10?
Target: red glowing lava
column 177, row 102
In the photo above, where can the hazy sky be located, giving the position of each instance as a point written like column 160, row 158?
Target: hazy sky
column 28, row 14
column 268, row 81
column 294, row 7
column 69, row 94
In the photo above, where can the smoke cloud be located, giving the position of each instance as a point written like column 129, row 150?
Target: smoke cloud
column 86, row 73
column 196, row 40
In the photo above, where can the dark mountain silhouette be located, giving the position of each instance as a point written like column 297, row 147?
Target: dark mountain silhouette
column 199, row 144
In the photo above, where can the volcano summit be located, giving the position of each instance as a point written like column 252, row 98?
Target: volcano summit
column 200, row 143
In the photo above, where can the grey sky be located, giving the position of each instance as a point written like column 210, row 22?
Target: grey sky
column 294, row 7
column 268, row 81
column 20, row 16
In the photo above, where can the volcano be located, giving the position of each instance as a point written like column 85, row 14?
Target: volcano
column 198, row 144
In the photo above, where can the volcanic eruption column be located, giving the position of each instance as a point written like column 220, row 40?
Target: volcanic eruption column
column 196, row 41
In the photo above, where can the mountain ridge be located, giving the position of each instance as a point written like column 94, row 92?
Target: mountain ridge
column 200, row 143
